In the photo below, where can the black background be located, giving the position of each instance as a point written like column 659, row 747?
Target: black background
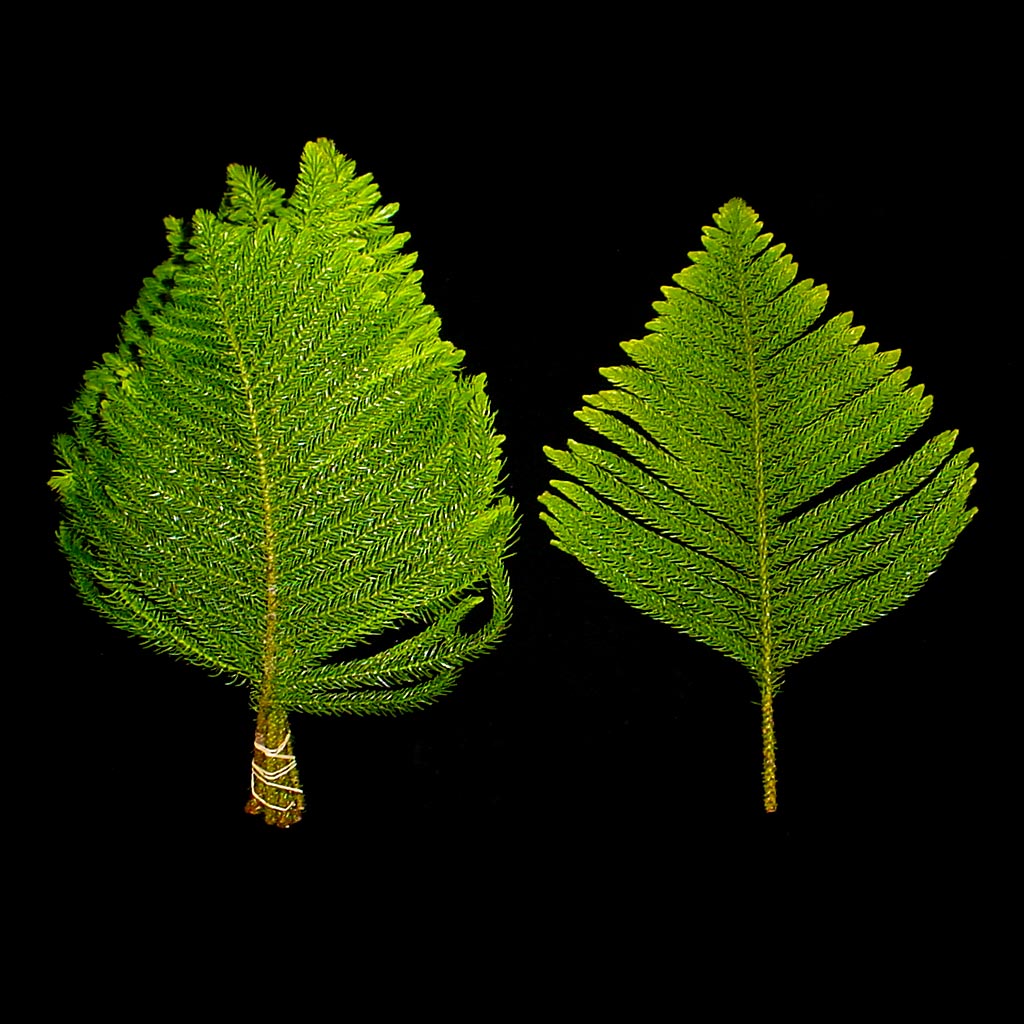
column 548, row 205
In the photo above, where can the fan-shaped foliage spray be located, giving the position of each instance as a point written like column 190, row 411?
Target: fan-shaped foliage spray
column 734, row 506
column 282, row 459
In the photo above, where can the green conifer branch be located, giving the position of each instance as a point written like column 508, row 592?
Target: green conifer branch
column 282, row 459
column 734, row 509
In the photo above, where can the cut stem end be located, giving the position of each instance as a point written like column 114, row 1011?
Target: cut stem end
column 275, row 791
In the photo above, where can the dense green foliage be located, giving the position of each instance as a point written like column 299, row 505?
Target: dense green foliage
column 735, row 507
column 281, row 459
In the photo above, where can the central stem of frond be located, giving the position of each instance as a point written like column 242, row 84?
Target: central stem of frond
column 768, row 749
column 275, row 790
column 766, row 669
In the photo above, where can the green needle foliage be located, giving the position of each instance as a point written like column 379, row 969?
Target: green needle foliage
column 282, row 460
column 735, row 508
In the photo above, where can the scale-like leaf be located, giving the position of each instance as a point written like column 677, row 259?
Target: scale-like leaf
column 282, row 460
column 737, row 510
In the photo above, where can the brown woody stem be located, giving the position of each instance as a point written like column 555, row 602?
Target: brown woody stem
column 275, row 789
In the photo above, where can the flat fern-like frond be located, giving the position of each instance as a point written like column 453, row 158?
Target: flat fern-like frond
column 282, row 460
column 735, row 505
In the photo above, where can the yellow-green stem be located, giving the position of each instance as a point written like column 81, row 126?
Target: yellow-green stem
column 275, row 790
column 768, row 748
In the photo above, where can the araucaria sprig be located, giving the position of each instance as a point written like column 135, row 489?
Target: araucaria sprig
column 734, row 503
column 282, row 459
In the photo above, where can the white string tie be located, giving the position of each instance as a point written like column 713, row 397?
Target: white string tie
column 268, row 777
